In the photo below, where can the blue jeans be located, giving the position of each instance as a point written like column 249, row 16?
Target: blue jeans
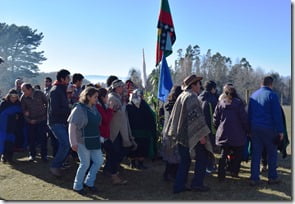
column 60, row 131
column 85, row 156
column 184, row 165
column 263, row 139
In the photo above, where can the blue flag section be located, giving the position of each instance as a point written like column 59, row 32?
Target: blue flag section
column 165, row 81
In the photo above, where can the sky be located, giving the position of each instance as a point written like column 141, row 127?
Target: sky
column 106, row 37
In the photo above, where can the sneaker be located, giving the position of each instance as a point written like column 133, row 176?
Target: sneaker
column 31, row 158
column 55, row 172
column 273, row 181
column 201, row 188
column 3, row 159
column 91, row 189
column 81, row 192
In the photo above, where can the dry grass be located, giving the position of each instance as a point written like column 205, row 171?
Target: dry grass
column 32, row 181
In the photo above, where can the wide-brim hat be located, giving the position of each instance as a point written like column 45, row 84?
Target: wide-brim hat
column 190, row 80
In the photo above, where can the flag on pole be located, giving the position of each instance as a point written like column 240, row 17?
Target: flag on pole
column 166, row 32
column 143, row 71
column 165, row 81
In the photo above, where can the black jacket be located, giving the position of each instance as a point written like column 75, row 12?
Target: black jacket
column 58, row 106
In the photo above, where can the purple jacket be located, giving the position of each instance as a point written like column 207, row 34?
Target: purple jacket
column 231, row 122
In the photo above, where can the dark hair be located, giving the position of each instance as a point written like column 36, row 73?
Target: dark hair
column 102, row 92
column 89, row 91
column 174, row 93
column 129, row 81
column 77, row 77
column 27, row 85
column 110, row 79
column 209, row 85
column 10, row 92
column 37, row 87
column 48, row 79
column 231, row 92
column 62, row 74
column 267, row 81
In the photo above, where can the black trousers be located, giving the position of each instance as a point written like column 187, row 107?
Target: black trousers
column 237, row 154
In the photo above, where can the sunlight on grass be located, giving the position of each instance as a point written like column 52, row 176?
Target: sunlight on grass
column 274, row 192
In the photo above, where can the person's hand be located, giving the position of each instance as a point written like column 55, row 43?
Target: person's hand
column 203, row 140
column 75, row 148
column 26, row 113
column 281, row 135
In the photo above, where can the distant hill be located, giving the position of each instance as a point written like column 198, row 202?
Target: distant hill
column 100, row 78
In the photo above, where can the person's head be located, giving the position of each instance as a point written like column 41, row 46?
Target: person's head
column 110, row 80
column 27, row 89
column 18, row 82
column 210, row 86
column 267, row 81
column 70, row 90
column 89, row 96
column 193, row 83
column 135, row 97
column 230, row 92
column 47, row 82
column 12, row 96
column 174, row 93
column 63, row 76
column 117, row 86
column 37, row 86
column 102, row 96
column 78, row 79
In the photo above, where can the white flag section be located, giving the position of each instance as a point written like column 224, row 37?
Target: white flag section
column 144, row 79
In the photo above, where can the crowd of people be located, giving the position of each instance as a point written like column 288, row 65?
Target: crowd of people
column 100, row 126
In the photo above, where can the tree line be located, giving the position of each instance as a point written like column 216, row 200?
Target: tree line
column 19, row 50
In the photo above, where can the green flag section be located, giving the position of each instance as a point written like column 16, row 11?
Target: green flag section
column 166, row 32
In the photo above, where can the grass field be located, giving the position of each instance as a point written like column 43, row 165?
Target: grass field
column 32, row 181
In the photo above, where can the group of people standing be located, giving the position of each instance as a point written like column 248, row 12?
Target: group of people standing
column 87, row 122
column 81, row 122
column 200, row 123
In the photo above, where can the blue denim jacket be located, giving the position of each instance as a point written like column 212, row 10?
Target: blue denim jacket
column 264, row 110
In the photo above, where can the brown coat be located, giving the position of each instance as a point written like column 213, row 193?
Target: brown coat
column 120, row 122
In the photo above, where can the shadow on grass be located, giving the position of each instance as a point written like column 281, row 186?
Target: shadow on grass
column 149, row 185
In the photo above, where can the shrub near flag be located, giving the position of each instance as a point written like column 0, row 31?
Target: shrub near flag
column 166, row 33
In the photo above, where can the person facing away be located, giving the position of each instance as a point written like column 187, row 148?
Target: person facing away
column 188, row 128
column 170, row 154
column 209, row 99
column 34, row 106
column 230, row 120
column 267, row 128
column 84, row 136
column 58, row 112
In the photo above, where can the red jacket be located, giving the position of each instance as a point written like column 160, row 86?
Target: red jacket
column 106, row 115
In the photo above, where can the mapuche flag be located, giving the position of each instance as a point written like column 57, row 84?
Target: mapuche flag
column 166, row 32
